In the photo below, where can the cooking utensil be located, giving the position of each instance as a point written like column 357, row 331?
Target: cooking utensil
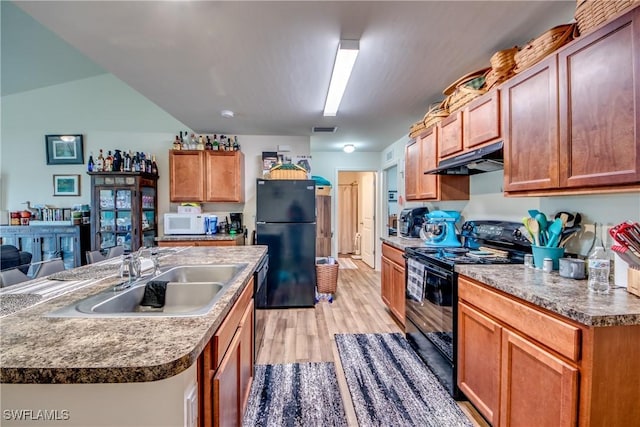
column 566, row 237
column 542, row 220
column 524, row 231
column 534, row 228
column 533, row 212
column 555, row 228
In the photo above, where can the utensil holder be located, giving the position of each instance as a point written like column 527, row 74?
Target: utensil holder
column 542, row 252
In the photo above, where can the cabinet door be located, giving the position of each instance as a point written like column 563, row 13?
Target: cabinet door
column 482, row 120
column 186, row 176
column 411, row 170
column 398, row 293
column 69, row 250
column 450, row 135
column 224, row 176
column 479, row 377
column 386, row 281
column 538, row 389
column 428, row 184
column 246, row 356
column 226, row 387
column 600, row 106
column 530, row 128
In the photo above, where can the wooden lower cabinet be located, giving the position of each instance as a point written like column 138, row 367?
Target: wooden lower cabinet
column 392, row 285
column 225, row 367
column 521, row 365
column 479, row 377
column 538, row 388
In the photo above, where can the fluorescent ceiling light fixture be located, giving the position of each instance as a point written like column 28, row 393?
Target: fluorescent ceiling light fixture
column 345, row 58
column 348, row 148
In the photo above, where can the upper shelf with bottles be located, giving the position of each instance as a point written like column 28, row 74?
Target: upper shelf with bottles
column 205, row 142
column 123, row 161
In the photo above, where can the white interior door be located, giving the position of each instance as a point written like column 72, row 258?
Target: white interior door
column 346, row 225
column 368, row 197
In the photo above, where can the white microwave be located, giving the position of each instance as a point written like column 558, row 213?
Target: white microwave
column 184, row 223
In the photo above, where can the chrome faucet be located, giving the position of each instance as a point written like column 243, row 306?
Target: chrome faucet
column 130, row 267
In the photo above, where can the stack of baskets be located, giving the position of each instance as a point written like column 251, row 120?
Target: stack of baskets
column 287, row 171
column 543, row 45
column 502, row 65
column 591, row 13
column 465, row 89
column 435, row 113
column 416, row 129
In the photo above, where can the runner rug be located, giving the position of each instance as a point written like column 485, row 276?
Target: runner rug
column 295, row 394
column 391, row 386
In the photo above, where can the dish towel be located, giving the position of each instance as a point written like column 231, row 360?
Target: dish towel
column 415, row 279
column 154, row 294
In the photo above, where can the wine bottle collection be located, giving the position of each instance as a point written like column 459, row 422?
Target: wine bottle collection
column 205, row 142
column 123, row 162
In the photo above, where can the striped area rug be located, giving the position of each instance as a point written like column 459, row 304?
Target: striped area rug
column 295, row 394
column 391, row 386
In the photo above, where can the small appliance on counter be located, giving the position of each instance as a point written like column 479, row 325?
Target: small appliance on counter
column 411, row 221
column 440, row 229
column 184, row 223
column 235, row 224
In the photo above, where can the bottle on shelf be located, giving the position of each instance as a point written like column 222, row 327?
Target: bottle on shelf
column 599, row 265
column 193, row 143
column 208, row 145
column 148, row 164
column 200, row 145
column 100, row 162
column 176, row 143
column 117, row 162
column 127, row 161
column 154, row 165
column 136, row 162
column 215, row 142
column 108, row 162
column 236, row 146
column 90, row 164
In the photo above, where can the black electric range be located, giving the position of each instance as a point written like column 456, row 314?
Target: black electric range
column 432, row 289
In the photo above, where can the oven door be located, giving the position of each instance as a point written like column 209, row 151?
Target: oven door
column 430, row 322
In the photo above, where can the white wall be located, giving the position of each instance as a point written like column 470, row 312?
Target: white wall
column 109, row 115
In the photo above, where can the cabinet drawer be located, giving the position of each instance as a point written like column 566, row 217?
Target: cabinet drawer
column 559, row 336
column 223, row 336
column 393, row 254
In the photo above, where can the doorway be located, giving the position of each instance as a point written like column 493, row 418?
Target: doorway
column 355, row 207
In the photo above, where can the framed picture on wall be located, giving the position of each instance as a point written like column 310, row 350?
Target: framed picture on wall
column 66, row 185
column 64, row 149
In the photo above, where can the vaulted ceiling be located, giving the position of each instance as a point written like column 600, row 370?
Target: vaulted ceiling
column 270, row 62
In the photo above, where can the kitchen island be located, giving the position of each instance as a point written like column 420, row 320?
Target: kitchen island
column 112, row 371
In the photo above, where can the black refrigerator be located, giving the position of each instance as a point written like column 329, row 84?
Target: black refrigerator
column 286, row 223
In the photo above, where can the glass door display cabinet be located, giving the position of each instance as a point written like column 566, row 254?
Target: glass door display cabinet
column 123, row 210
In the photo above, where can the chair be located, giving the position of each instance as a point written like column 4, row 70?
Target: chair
column 11, row 257
column 48, row 267
column 12, row 276
column 115, row 251
column 94, row 256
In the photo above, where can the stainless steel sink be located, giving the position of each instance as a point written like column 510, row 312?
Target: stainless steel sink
column 191, row 291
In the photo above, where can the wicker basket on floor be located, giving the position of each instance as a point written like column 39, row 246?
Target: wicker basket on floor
column 543, row 45
column 591, row 13
column 327, row 278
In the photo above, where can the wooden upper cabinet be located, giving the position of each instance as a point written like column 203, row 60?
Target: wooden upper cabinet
column 530, row 128
column 411, row 170
column 428, row 184
column 206, row 176
column 482, row 120
column 186, row 169
column 224, row 176
column 450, row 135
column 600, row 106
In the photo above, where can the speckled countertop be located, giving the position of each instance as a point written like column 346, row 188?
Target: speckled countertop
column 401, row 243
column 182, row 237
column 567, row 297
column 39, row 349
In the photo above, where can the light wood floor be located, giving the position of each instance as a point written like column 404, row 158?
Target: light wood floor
column 306, row 335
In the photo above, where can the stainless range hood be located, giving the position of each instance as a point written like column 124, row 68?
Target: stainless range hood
column 484, row 159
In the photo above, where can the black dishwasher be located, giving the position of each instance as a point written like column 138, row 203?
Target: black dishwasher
column 260, row 302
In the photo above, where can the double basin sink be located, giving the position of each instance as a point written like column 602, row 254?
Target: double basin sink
column 192, row 290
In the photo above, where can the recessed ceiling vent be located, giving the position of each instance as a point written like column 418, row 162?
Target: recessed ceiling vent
column 324, row 129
